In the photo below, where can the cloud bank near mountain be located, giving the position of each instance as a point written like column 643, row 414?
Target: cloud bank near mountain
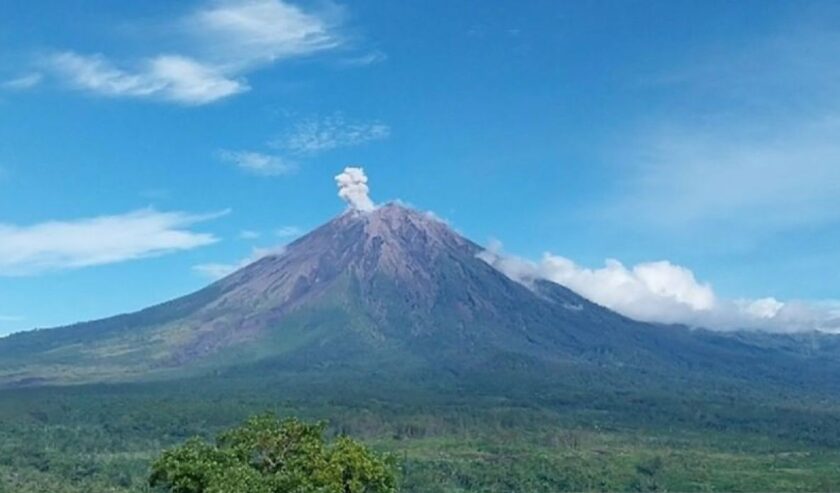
column 667, row 293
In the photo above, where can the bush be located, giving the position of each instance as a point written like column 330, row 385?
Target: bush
column 269, row 455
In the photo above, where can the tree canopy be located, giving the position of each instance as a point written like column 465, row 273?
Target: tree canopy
column 270, row 455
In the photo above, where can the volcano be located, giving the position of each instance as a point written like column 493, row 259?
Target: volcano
column 394, row 289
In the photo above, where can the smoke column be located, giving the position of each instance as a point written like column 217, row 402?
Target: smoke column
column 353, row 189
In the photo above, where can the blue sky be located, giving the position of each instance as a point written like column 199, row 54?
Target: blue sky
column 146, row 147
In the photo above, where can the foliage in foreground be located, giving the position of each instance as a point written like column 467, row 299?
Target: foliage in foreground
column 268, row 455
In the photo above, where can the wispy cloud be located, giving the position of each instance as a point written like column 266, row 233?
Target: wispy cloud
column 216, row 271
column 668, row 293
column 27, row 81
column 242, row 33
column 168, row 78
column 259, row 163
column 220, row 44
column 54, row 245
column 11, row 318
column 753, row 148
column 304, row 139
column 739, row 176
column 313, row 135
column 288, row 232
column 370, row 58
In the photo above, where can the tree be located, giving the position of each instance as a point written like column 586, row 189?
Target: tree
column 269, row 455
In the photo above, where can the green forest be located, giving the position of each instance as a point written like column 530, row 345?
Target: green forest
column 572, row 437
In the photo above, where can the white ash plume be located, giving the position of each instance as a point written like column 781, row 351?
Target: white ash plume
column 353, row 189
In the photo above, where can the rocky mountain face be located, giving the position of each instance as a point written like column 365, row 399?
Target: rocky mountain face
column 393, row 288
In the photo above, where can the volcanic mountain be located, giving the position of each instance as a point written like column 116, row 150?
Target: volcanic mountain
column 393, row 289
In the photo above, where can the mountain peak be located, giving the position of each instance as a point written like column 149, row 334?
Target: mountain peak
column 392, row 239
column 388, row 287
column 391, row 213
column 392, row 225
column 390, row 280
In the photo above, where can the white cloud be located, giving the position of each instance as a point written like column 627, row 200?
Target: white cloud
column 224, row 41
column 169, row 78
column 288, row 232
column 54, row 245
column 743, row 155
column 192, row 82
column 667, row 293
column 11, row 318
column 245, row 32
column 259, row 163
column 314, row 135
column 248, row 234
column 216, row 271
column 23, row 82
column 762, row 309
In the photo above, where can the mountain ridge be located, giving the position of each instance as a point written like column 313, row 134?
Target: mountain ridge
column 393, row 285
